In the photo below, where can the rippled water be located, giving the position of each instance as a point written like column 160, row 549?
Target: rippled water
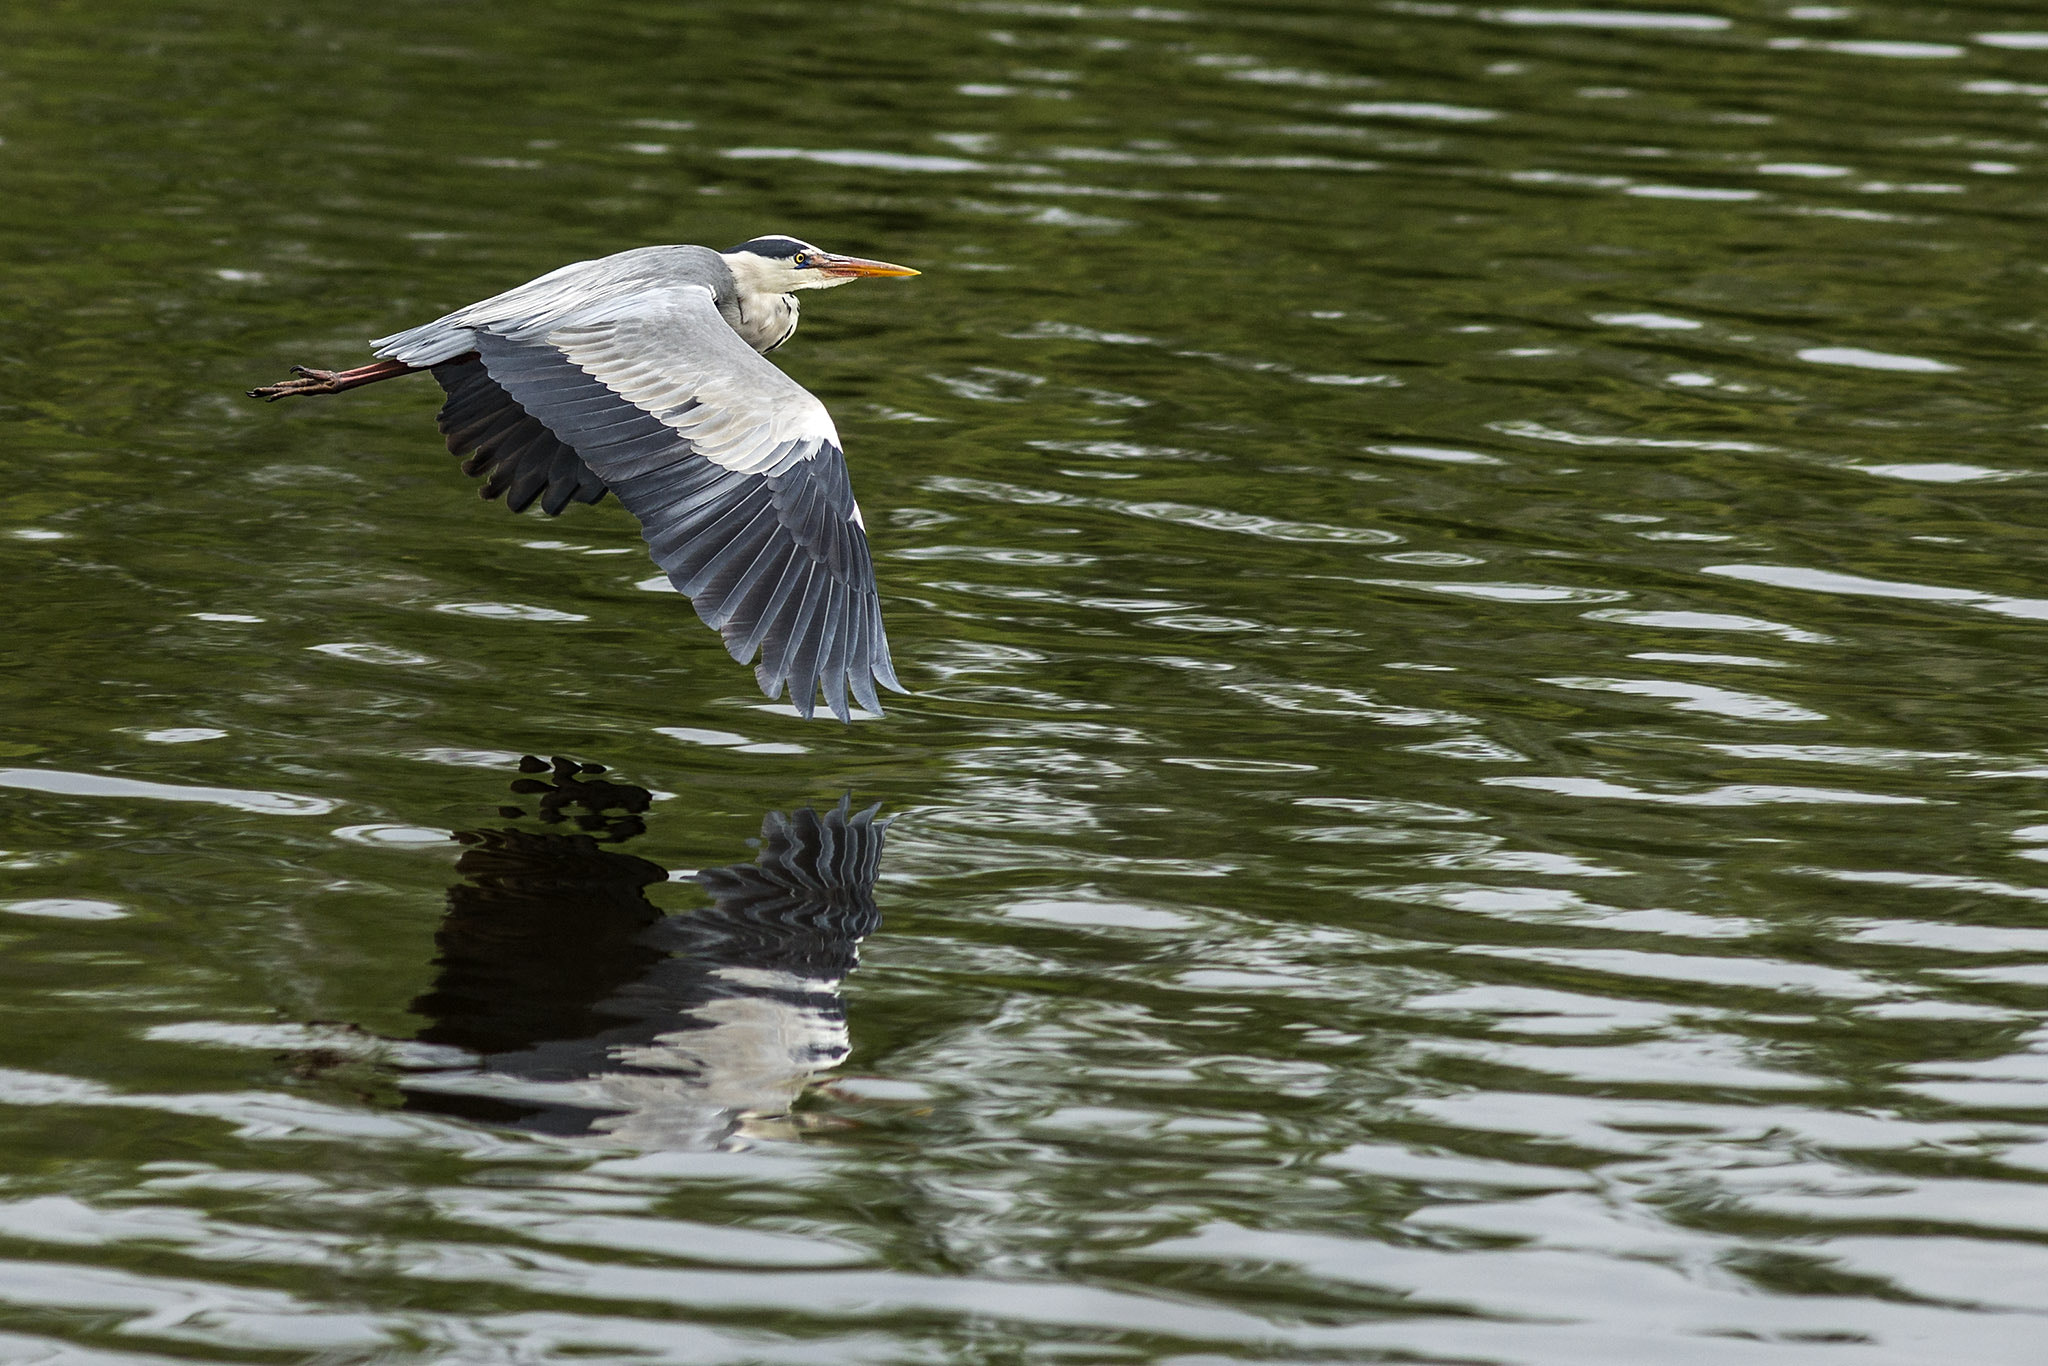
column 1472, row 586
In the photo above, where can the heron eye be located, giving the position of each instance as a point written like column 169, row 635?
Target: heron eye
column 801, row 261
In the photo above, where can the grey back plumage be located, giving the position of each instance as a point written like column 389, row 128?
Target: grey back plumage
column 642, row 366
column 533, row 309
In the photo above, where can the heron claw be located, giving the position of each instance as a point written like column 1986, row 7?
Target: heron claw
column 310, row 382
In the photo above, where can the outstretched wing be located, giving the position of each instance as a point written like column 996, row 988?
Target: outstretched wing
column 734, row 470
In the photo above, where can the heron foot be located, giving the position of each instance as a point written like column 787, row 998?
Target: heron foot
column 312, row 381
column 309, row 382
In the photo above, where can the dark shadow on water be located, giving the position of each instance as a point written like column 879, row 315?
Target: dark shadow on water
column 580, row 1007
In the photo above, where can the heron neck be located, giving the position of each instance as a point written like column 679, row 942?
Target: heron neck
column 765, row 320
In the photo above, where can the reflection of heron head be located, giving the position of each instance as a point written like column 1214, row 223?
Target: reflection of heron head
column 571, row 784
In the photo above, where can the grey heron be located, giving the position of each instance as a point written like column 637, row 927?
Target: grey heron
column 641, row 374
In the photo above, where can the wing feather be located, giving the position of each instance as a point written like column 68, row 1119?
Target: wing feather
column 799, row 665
column 795, row 566
column 786, row 615
column 730, row 561
column 860, row 645
column 832, row 662
column 747, row 599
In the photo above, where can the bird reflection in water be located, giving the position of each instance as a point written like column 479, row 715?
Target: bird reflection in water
column 580, row 1007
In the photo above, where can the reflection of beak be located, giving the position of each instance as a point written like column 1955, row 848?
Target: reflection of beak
column 854, row 267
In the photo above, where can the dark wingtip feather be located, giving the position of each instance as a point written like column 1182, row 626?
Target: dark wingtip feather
column 509, row 448
column 864, row 692
column 885, row 672
column 806, row 703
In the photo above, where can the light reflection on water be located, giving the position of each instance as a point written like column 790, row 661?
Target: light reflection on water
column 1470, row 576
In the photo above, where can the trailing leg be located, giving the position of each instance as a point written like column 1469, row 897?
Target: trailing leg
column 331, row 381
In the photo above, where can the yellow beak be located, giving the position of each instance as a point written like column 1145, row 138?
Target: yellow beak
column 855, row 267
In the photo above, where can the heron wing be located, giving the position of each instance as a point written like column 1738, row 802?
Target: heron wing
column 513, row 451
column 734, row 470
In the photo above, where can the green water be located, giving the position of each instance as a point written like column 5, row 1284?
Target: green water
column 1471, row 583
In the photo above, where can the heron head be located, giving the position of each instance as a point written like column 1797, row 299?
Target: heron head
column 780, row 265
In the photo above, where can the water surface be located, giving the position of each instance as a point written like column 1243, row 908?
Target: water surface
column 1473, row 792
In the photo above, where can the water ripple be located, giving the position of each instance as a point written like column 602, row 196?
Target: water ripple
column 1733, row 794
column 61, row 783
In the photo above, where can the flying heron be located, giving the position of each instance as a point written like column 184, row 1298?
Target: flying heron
column 641, row 374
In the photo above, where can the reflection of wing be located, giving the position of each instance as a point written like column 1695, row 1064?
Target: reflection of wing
column 806, row 902
column 589, row 1010
column 733, row 468
column 757, row 974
